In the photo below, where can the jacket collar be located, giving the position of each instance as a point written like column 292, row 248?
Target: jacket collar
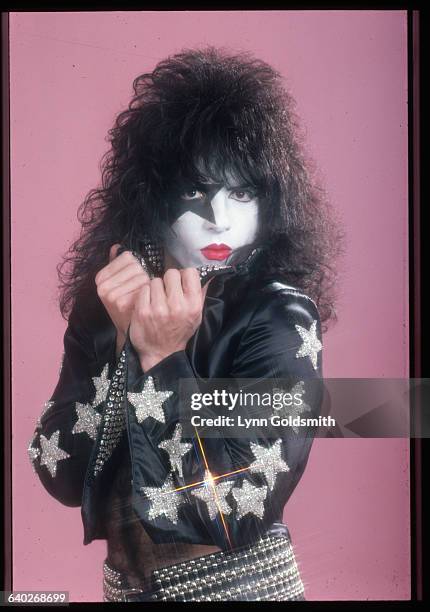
column 245, row 266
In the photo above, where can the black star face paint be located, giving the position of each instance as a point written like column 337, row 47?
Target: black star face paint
column 196, row 199
column 210, row 221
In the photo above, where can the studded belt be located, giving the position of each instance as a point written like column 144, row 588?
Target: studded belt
column 264, row 571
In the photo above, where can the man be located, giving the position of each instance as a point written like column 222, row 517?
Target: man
column 204, row 180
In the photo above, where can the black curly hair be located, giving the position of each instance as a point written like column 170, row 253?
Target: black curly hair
column 208, row 112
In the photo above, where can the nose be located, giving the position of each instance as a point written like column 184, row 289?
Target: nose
column 222, row 221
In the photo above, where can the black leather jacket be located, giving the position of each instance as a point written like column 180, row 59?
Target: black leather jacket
column 250, row 329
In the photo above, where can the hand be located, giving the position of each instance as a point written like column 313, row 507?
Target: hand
column 167, row 313
column 118, row 286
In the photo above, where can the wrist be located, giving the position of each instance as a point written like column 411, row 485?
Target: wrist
column 149, row 361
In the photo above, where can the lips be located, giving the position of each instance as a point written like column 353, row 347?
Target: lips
column 216, row 251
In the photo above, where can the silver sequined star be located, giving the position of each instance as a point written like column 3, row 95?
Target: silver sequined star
column 164, row 500
column 101, row 384
column 46, row 407
column 51, row 453
column 268, row 461
column 88, row 420
column 149, row 402
column 296, row 410
column 215, row 500
column 311, row 345
column 250, row 499
column 33, row 452
column 176, row 449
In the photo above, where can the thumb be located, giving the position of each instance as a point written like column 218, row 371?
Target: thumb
column 113, row 251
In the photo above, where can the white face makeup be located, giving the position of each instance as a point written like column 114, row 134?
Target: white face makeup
column 212, row 221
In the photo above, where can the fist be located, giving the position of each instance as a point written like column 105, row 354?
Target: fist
column 167, row 312
column 118, row 286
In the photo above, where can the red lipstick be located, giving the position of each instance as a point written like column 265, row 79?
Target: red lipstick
column 216, row 251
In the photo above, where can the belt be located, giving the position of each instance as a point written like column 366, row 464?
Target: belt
column 263, row 571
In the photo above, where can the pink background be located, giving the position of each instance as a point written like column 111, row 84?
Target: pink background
column 70, row 74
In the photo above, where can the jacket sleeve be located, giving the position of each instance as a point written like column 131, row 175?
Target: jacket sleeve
column 67, row 428
column 223, row 490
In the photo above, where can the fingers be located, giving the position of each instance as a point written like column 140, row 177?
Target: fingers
column 142, row 306
column 124, row 275
column 183, row 287
column 173, row 288
column 178, row 293
column 130, row 286
column 159, row 306
column 192, row 291
column 114, row 265
column 191, row 282
column 124, row 303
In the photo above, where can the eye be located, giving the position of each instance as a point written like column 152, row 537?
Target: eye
column 192, row 194
column 242, row 195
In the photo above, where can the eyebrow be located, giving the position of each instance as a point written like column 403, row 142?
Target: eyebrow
column 184, row 183
column 228, row 186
